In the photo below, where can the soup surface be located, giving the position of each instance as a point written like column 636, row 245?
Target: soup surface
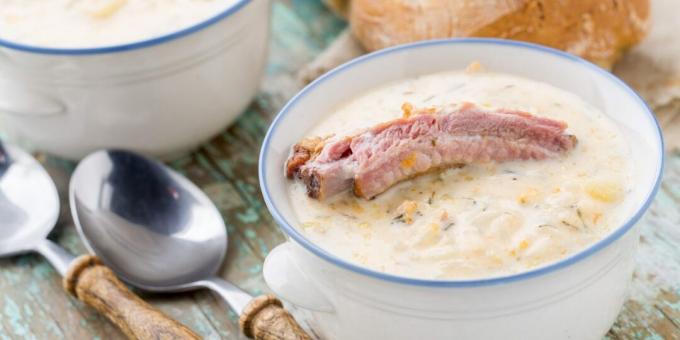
column 93, row 23
column 481, row 220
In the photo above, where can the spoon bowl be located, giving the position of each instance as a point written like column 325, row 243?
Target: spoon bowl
column 149, row 224
column 173, row 235
column 29, row 202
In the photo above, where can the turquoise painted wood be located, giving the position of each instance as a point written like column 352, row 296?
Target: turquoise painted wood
column 33, row 305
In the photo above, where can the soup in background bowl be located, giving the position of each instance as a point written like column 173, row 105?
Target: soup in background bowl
column 537, row 249
column 94, row 23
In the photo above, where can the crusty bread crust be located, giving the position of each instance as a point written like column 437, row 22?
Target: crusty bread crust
column 598, row 30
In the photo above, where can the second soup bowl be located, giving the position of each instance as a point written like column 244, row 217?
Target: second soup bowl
column 577, row 297
column 161, row 96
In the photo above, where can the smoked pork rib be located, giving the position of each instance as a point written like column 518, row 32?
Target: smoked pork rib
column 377, row 158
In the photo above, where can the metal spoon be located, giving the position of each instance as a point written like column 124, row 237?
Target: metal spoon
column 29, row 208
column 172, row 236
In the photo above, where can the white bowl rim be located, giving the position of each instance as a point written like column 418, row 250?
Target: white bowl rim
column 132, row 45
column 574, row 258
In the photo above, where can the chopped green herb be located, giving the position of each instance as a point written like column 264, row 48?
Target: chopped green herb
column 580, row 217
column 569, row 224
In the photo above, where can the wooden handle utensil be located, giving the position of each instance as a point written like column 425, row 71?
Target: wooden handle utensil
column 264, row 318
column 95, row 284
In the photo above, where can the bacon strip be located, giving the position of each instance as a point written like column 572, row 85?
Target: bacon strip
column 377, row 158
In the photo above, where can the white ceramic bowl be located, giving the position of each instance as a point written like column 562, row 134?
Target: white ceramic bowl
column 161, row 96
column 576, row 298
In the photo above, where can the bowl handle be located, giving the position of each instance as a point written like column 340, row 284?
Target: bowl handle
column 287, row 280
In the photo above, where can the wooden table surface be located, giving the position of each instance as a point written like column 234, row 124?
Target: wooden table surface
column 34, row 306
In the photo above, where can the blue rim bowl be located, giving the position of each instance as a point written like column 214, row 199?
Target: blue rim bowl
column 296, row 235
column 129, row 46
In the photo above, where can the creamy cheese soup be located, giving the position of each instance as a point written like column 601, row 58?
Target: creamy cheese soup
column 480, row 220
column 91, row 23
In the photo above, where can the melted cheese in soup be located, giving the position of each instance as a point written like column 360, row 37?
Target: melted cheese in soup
column 480, row 220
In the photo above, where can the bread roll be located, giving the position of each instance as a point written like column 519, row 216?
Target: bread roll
column 598, row 30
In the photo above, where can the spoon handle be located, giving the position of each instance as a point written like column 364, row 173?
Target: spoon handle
column 264, row 318
column 95, row 284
